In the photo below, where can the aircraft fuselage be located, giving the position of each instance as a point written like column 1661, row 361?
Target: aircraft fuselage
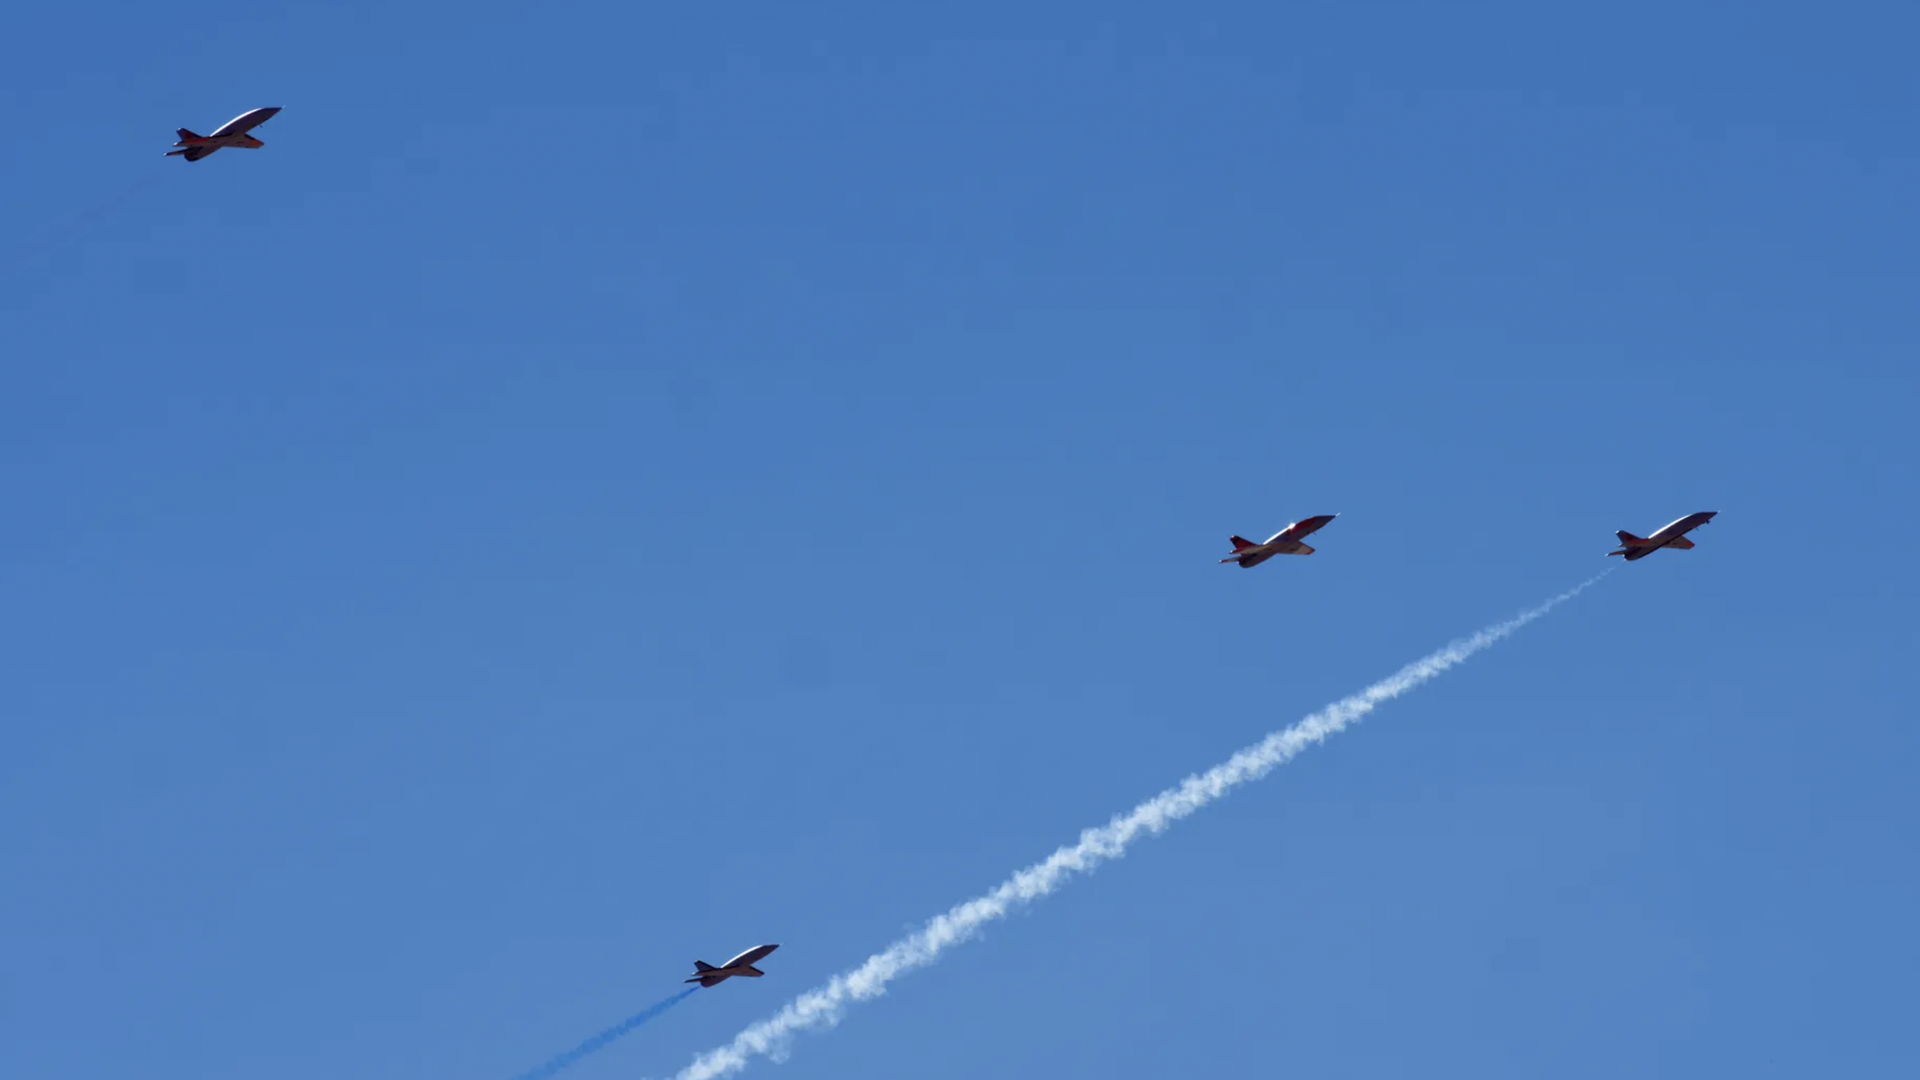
column 1285, row 542
column 1681, row 527
column 233, row 133
column 742, row 966
column 244, row 123
column 1673, row 534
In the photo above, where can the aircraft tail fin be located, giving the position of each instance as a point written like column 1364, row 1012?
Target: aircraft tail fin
column 1240, row 543
column 186, row 134
column 702, row 966
column 1628, row 538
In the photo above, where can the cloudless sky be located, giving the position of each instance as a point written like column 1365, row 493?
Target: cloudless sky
column 609, row 485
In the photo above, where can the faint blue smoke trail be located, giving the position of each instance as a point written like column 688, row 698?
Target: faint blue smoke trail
column 601, row 1041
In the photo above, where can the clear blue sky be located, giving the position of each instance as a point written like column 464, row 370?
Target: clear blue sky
column 613, row 484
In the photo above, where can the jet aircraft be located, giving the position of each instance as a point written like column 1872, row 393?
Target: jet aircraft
column 1285, row 542
column 707, row 975
column 231, row 133
column 1673, row 535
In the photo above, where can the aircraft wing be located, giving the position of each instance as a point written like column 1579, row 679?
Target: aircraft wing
column 1680, row 542
column 1247, row 562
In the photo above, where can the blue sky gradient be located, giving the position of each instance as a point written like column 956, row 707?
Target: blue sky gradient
column 612, row 485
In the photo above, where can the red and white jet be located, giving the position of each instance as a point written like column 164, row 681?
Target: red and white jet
column 707, row 975
column 1285, row 542
column 231, row 133
column 1673, row 534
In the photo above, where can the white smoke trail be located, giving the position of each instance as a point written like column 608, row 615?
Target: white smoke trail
column 823, row 1007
